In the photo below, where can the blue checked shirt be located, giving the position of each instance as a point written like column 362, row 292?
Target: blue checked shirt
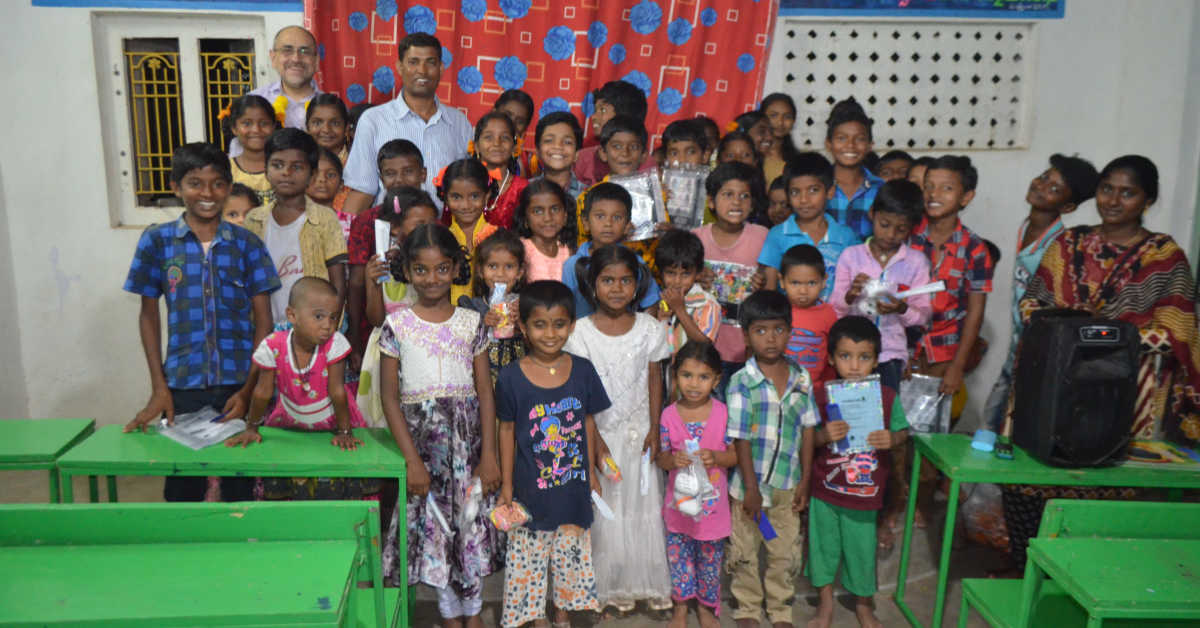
column 773, row 425
column 210, row 325
column 852, row 212
column 442, row 140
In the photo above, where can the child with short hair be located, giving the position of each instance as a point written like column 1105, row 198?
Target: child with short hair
column 848, row 140
column 546, row 402
column 961, row 259
column 894, row 165
column 626, row 347
column 738, row 146
column 179, row 261
column 614, row 98
column 690, row 313
column 495, row 135
column 695, row 425
column 897, row 210
column 712, row 135
column 916, row 172
column 557, row 139
column 803, row 272
column 326, row 119
column 326, row 188
column 809, row 180
column 250, row 121
column 303, row 237
column 606, row 212
column 847, row 488
column 546, row 229
column 241, row 200
column 769, row 404
column 685, row 143
column 778, row 207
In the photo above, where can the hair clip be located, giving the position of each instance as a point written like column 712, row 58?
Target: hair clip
column 396, row 204
column 280, row 105
column 731, row 127
column 471, row 148
column 437, row 180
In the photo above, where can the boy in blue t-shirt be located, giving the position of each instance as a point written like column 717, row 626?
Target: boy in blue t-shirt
column 545, row 402
column 215, row 278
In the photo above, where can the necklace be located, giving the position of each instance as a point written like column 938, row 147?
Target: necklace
column 552, row 367
column 499, row 190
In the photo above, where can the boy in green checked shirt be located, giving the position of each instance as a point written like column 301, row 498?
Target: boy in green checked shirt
column 770, row 405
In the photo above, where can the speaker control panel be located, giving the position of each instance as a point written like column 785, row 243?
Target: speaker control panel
column 1100, row 334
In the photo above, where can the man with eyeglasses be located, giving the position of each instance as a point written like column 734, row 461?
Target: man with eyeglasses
column 294, row 57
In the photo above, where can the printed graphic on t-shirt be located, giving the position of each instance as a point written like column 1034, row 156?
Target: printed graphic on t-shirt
column 557, row 432
column 731, row 284
column 805, row 347
column 857, row 468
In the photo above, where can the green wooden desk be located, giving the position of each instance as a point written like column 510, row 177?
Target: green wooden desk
column 1143, row 579
column 952, row 454
column 283, row 453
column 246, row 564
column 31, row 444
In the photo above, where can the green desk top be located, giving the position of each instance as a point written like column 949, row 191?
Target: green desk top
column 953, row 455
column 1149, row 578
column 282, row 453
column 177, row 583
column 38, row 440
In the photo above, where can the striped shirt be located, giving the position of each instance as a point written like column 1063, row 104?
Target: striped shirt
column 442, row 140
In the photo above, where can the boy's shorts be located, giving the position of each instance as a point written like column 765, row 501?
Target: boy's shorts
column 845, row 537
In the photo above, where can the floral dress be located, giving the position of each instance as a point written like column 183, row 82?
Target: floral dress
column 437, row 396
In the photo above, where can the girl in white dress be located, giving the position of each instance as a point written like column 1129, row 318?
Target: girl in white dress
column 626, row 347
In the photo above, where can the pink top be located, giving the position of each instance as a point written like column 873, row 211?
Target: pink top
column 714, row 522
column 733, row 267
column 906, row 269
column 538, row 266
column 304, row 402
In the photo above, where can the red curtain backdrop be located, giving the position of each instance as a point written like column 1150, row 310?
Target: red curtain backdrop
column 690, row 57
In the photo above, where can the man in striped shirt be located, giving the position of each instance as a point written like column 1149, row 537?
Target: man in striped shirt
column 442, row 133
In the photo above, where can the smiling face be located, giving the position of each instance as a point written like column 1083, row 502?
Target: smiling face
column 764, row 138
column 849, row 144
column 546, row 215
column 430, row 274
column 944, row 193
column 253, row 127
column 288, row 172
column 466, row 201
column 767, row 339
column 853, row 360
column 616, row 285
column 204, row 192
column 328, row 127
column 681, row 278
column 402, row 170
column 607, row 222
column 807, row 196
column 733, row 203
column 314, row 318
column 803, row 285
column 696, row 380
column 294, row 57
column 547, row 330
column 1120, row 200
column 325, row 184
column 500, row 267
column 738, row 150
column 600, row 117
column 556, row 151
column 495, row 145
column 623, row 153
column 519, row 115
column 781, row 118
column 420, row 71
column 1049, row 192
column 684, row 152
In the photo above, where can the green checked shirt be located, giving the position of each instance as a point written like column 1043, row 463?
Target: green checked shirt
column 772, row 424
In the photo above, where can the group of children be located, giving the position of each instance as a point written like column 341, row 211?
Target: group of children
column 521, row 353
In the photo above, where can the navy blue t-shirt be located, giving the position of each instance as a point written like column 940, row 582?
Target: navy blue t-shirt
column 550, row 465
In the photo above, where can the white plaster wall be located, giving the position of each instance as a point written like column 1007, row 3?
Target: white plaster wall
column 1112, row 78
column 78, row 352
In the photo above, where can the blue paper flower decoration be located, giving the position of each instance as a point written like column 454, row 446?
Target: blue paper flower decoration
column 745, row 62
column 698, row 87
column 597, row 34
column 474, row 10
column 321, row 51
column 708, row 17
column 669, row 101
column 588, row 106
column 616, row 54
column 470, row 79
column 552, row 105
column 419, row 19
column 385, row 9
column 639, row 80
column 383, row 79
column 645, row 17
column 510, row 73
column 559, row 43
column 679, row 31
column 356, row 93
column 357, row 21
column 447, row 58
column 515, row 9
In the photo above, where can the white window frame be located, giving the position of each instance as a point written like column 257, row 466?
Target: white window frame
column 109, row 30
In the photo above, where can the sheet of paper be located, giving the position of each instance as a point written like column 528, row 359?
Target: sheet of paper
column 860, row 403
column 202, row 428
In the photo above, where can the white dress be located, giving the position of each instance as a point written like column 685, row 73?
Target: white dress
column 629, row 552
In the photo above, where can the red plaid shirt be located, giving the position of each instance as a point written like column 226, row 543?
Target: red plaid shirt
column 963, row 262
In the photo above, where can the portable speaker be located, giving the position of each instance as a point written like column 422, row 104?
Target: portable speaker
column 1075, row 388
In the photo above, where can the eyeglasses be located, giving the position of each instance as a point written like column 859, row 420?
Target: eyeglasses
column 303, row 51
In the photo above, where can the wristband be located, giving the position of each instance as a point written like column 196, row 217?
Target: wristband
column 345, row 432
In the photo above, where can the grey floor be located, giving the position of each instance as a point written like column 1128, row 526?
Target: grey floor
column 967, row 562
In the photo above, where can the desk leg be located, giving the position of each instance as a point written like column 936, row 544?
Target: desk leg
column 55, row 497
column 906, row 541
column 944, row 561
column 400, row 617
column 1094, row 622
column 94, row 488
column 963, row 612
column 68, row 490
column 1031, row 588
column 112, row 488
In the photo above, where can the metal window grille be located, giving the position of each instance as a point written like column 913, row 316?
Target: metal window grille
column 227, row 66
column 155, row 112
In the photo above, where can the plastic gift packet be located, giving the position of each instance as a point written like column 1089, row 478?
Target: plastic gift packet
column 926, row 409
column 686, row 197
column 704, row 488
column 648, row 208
column 472, row 500
column 500, row 303
column 508, row 517
column 610, row 470
column 644, row 473
column 867, row 303
column 602, row 506
column 383, row 243
column 431, row 504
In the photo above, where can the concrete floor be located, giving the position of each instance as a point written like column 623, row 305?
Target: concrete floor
column 969, row 562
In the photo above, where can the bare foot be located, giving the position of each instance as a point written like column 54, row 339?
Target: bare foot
column 707, row 619
column 747, row 623
column 541, row 622
column 864, row 611
column 782, row 624
column 679, row 617
column 475, row 621
column 824, row 616
column 452, row 623
column 561, row 618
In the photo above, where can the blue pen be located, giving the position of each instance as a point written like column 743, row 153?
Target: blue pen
column 764, row 526
column 835, row 414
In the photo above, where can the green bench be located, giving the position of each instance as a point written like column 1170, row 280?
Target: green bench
column 199, row 564
column 1109, row 547
column 34, row 444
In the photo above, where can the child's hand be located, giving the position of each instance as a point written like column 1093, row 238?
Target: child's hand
column 758, row 280
column 489, row 473
column 661, row 228
column 377, row 268
column 355, row 362
column 708, row 458
column 880, row 439
column 492, row 318
column 891, row 305
column 602, row 450
column 346, row 442
column 908, row 372
column 836, row 430
column 706, row 278
column 160, row 402
column 595, row 482
column 800, row 499
column 417, row 478
column 659, row 312
column 680, row 459
column 244, row 439
column 651, row 444
column 235, row 408
column 752, row 504
column 674, row 297
column 856, row 287
column 506, row 491
column 951, row 381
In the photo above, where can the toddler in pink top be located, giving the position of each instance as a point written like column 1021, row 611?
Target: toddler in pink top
column 548, row 235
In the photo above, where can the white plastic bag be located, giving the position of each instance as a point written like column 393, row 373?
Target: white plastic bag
column 927, row 410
